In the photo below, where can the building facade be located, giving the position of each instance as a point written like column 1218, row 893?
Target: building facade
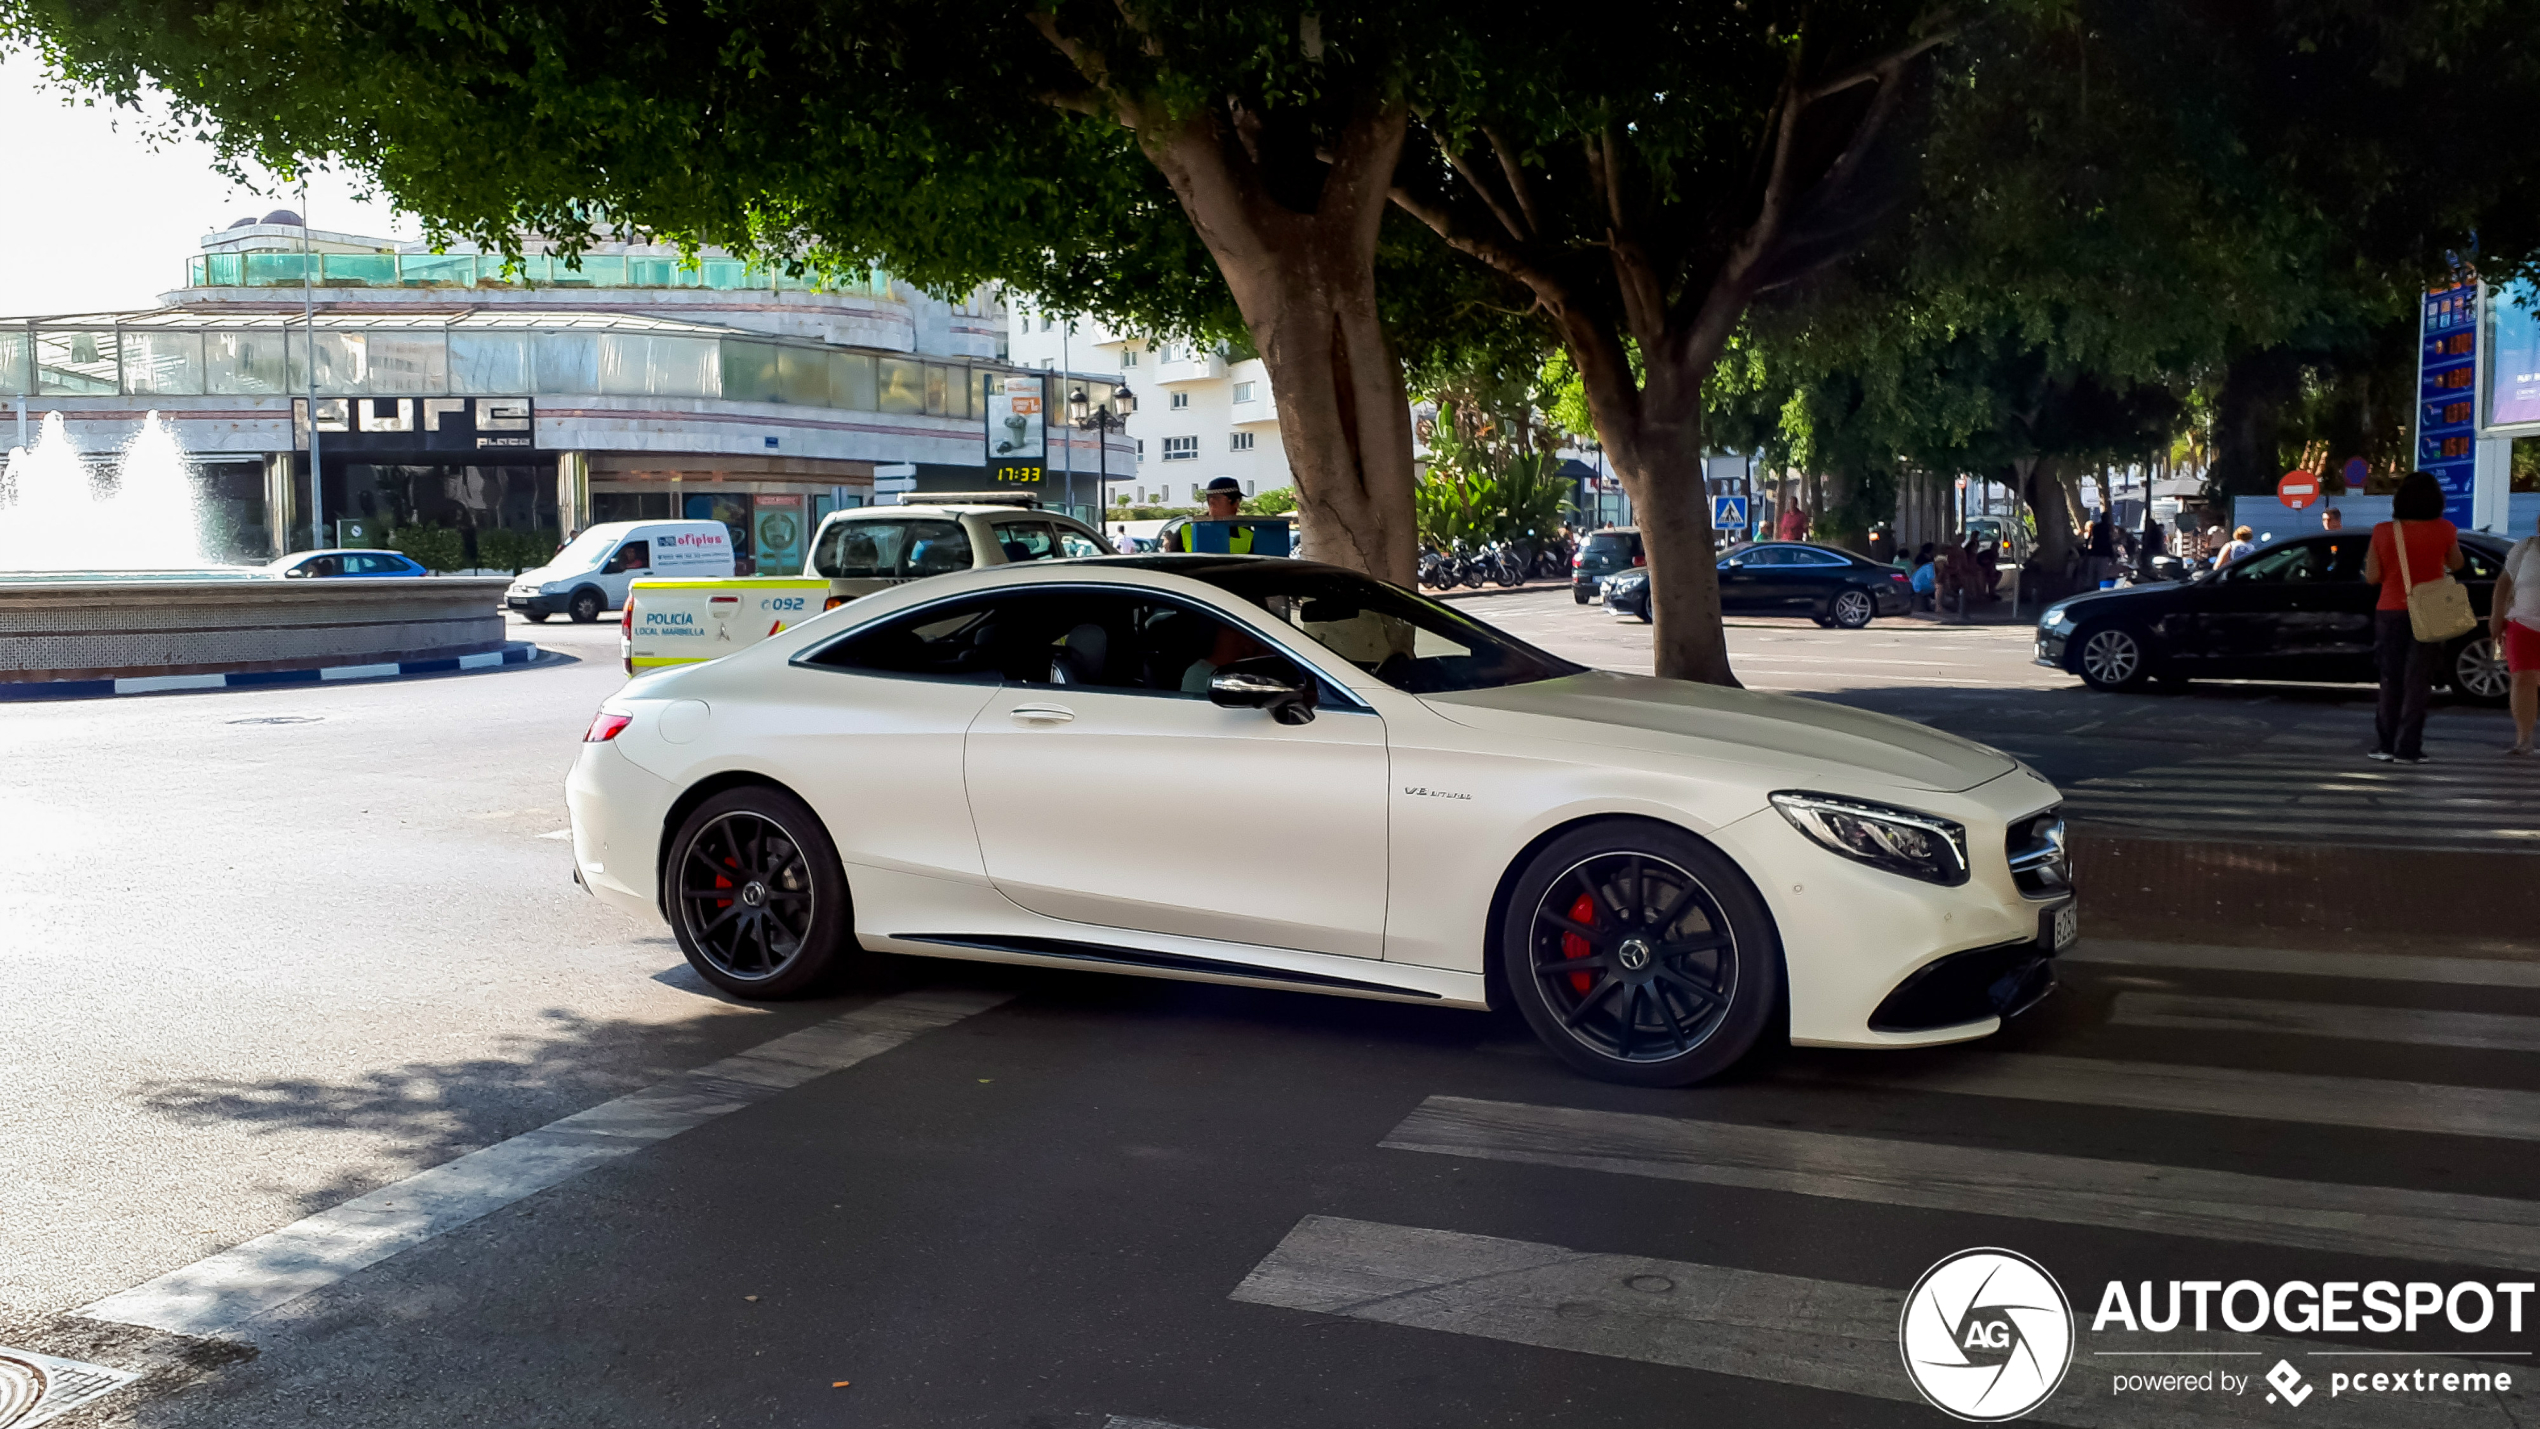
column 1201, row 413
column 529, row 398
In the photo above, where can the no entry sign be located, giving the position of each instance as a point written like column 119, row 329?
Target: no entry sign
column 2298, row 489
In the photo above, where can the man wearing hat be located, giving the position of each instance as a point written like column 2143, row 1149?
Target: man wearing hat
column 1225, row 497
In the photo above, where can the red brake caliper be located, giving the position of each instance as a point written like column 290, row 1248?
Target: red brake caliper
column 1574, row 946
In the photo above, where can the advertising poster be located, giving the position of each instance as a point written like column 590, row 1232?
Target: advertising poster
column 2514, row 379
column 2447, row 406
column 1017, row 423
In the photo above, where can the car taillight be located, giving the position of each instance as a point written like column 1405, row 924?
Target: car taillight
column 1577, row 560
column 605, row 726
column 833, row 602
column 1640, row 560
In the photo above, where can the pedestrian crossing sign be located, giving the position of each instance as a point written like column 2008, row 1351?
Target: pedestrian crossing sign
column 1728, row 513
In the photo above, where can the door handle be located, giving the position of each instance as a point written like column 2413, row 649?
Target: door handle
column 1040, row 714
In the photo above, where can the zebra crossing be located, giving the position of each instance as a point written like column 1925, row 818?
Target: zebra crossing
column 2470, row 798
column 1830, row 1334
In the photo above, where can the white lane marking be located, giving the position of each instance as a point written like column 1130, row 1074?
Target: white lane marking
column 224, row 1291
column 2360, row 1102
column 2380, row 967
column 1781, row 1329
column 2438, row 1226
column 1119, row 1422
column 2414, row 1026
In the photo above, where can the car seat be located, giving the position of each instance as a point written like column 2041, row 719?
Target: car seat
column 1083, row 656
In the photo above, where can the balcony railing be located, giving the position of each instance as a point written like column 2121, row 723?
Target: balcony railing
column 533, row 270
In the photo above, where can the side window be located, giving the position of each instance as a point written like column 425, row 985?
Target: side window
column 1817, row 558
column 1075, row 544
column 1118, row 642
column 1026, row 540
column 2345, row 556
column 2476, row 564
column 633, row 556
column 2285, row 563
column 941, row 642
column 936, row 548
column 325, row 566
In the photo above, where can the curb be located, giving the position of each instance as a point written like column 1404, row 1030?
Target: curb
column 518, row 652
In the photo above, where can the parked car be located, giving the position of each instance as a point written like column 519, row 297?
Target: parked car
column 1616, row 548
column 320, row 565
column 1656, row 873
column 1836, row 589
column 592, row 573
column 2295, row 610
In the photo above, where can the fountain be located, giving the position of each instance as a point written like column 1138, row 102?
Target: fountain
column 104, row 589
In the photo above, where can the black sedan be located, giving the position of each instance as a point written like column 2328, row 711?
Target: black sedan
column 2294, row 610
column 1834, row 588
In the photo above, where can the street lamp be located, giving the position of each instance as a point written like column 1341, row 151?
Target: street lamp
column 1102, row 419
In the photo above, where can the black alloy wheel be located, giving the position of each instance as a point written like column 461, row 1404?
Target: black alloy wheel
column 1851, row 608
column 586, row 606
column 2111, row 657
column 1640, row 954
column 2478, row 670
column 755, row 894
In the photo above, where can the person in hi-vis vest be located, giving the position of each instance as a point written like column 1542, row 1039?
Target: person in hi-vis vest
column 1225, row 501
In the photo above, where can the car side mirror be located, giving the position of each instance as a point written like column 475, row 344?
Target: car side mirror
column 1265, row 682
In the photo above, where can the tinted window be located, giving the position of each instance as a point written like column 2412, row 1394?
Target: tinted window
column 1074, row 543
column 1613, row 543
column 1103, row 640
column 891, row 550
column 2477, row 565
column 1405, row 640
column 1763, row 556
column 1026, row 540
column 1802, row 557
column 2279, row 565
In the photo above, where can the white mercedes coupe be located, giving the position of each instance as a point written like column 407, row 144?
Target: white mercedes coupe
column 1273, row 773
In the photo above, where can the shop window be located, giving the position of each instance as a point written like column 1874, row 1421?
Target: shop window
column 496, row 363
column 162, row 364
column 751, row 372
column 13, row 373
column 903, row 385
column 401, row 363
column 566, row 363
column 76, row 363
column 937, row 398
column 802, row 377
column 851, row 382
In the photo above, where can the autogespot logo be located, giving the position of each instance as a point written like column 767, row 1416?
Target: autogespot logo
column 1986, row 1334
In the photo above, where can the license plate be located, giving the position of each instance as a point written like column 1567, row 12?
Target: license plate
column 2063, row 928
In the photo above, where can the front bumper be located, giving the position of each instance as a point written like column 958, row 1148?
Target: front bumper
column 2050, row 647
column 1856, row 939
column 536, row 603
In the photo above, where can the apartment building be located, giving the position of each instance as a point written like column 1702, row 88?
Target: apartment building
column 1201, row 413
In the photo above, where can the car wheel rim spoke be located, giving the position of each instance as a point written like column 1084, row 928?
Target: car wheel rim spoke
column 756, row 915
column 1653, row 976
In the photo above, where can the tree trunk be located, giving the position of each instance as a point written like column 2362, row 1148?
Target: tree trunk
column 1653, row 434
column 2043, row 487
column 1305, row 283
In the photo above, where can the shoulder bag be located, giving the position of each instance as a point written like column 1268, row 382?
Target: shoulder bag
column 2438, row 609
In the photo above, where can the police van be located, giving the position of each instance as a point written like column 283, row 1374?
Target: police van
column 855, row 552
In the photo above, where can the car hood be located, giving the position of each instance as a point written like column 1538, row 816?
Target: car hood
column 1786, row 732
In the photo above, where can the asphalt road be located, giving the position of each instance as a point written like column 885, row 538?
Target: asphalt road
column 275, row 956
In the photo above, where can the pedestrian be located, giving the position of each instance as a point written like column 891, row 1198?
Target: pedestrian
column 2213, row 543
column 2414, row 546
column 2332, row 519
column 2149, row 546
column 2515, row 624
column 2239, row 546
column 2103, row 548
column 1794, row 524
column 1926, row 578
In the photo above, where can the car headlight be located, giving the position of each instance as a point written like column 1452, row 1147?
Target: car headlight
column 1898, row 840
column 2055, row 616
column 553, row 588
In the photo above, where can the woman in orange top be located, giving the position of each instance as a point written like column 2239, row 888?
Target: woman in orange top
column 2406, row 663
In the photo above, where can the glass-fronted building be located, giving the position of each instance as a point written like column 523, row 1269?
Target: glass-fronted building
column 513, row 402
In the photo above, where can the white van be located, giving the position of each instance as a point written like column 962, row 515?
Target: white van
column 592, row 573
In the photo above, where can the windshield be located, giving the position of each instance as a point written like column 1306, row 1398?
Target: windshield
column 1408, row 642
column 586, row 549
